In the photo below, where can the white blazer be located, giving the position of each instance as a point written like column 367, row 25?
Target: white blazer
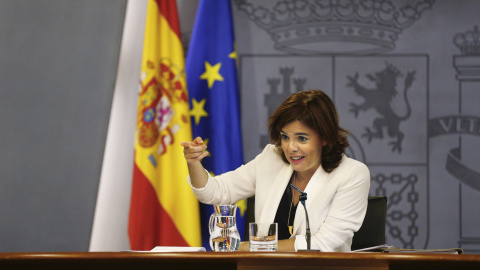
column 336, row 201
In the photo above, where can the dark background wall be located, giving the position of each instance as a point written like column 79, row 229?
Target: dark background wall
column 58, row 60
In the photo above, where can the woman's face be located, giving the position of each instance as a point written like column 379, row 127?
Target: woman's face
column 302, row 147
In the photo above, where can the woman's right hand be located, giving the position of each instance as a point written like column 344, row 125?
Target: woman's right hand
column 194, row 151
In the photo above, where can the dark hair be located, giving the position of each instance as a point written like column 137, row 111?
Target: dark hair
column 316, row 110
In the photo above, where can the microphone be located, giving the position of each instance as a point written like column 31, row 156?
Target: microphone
column 302, row 198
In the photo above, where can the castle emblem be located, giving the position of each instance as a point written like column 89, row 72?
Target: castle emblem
column 281, row 89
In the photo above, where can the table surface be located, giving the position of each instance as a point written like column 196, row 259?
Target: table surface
column 237, row 260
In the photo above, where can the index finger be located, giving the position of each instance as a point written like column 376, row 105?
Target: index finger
column 198, row 140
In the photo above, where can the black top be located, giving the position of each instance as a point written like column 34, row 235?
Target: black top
column 282, row 214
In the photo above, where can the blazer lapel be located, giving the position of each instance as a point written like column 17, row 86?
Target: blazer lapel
column 314, row 187
column 276, row 193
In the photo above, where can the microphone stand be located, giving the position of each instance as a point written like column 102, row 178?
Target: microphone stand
column 302, row 198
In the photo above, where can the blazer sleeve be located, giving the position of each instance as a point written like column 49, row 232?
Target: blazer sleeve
column 230, row 187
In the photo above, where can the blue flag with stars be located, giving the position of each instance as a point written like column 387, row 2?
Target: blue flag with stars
column 214, row 99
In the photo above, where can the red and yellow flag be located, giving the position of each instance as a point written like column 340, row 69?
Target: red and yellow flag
column 163, row 210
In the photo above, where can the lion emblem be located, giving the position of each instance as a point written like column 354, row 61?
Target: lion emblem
column 380, row 99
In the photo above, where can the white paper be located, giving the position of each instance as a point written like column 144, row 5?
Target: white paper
column 177, row 249
column 380, row 247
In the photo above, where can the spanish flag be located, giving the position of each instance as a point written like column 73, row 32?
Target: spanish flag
column 163, row 209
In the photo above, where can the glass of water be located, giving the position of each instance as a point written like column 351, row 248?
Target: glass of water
column 263, row 236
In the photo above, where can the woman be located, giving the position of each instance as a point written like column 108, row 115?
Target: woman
column 307, row 151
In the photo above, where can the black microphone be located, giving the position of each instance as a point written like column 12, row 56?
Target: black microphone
column 302, row 198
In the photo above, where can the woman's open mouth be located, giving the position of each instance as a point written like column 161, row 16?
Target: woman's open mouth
column 296, row 159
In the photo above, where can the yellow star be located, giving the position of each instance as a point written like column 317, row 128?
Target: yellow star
column 212, row 74
column 242, row 206
column 233, row 54
column 198, row 111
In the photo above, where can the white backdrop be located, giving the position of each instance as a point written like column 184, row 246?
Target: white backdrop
column 110, row 224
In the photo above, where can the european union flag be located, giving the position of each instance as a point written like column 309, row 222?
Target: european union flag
column 212, row 85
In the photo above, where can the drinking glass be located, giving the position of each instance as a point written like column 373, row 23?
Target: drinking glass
column 263, row 236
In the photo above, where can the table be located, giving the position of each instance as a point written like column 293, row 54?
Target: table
column 235, row 260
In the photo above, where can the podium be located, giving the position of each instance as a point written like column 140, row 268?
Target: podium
column 235, row 260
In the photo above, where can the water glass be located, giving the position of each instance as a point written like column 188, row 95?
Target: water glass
column 263, row 236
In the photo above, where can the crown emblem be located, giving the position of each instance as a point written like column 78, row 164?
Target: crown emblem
column 334, row 26
column 468, row 42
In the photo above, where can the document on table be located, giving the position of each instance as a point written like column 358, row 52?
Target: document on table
column 374, row 248
column 170, row 249
column 392, row 249
column 177, row 249
column 445, row 251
